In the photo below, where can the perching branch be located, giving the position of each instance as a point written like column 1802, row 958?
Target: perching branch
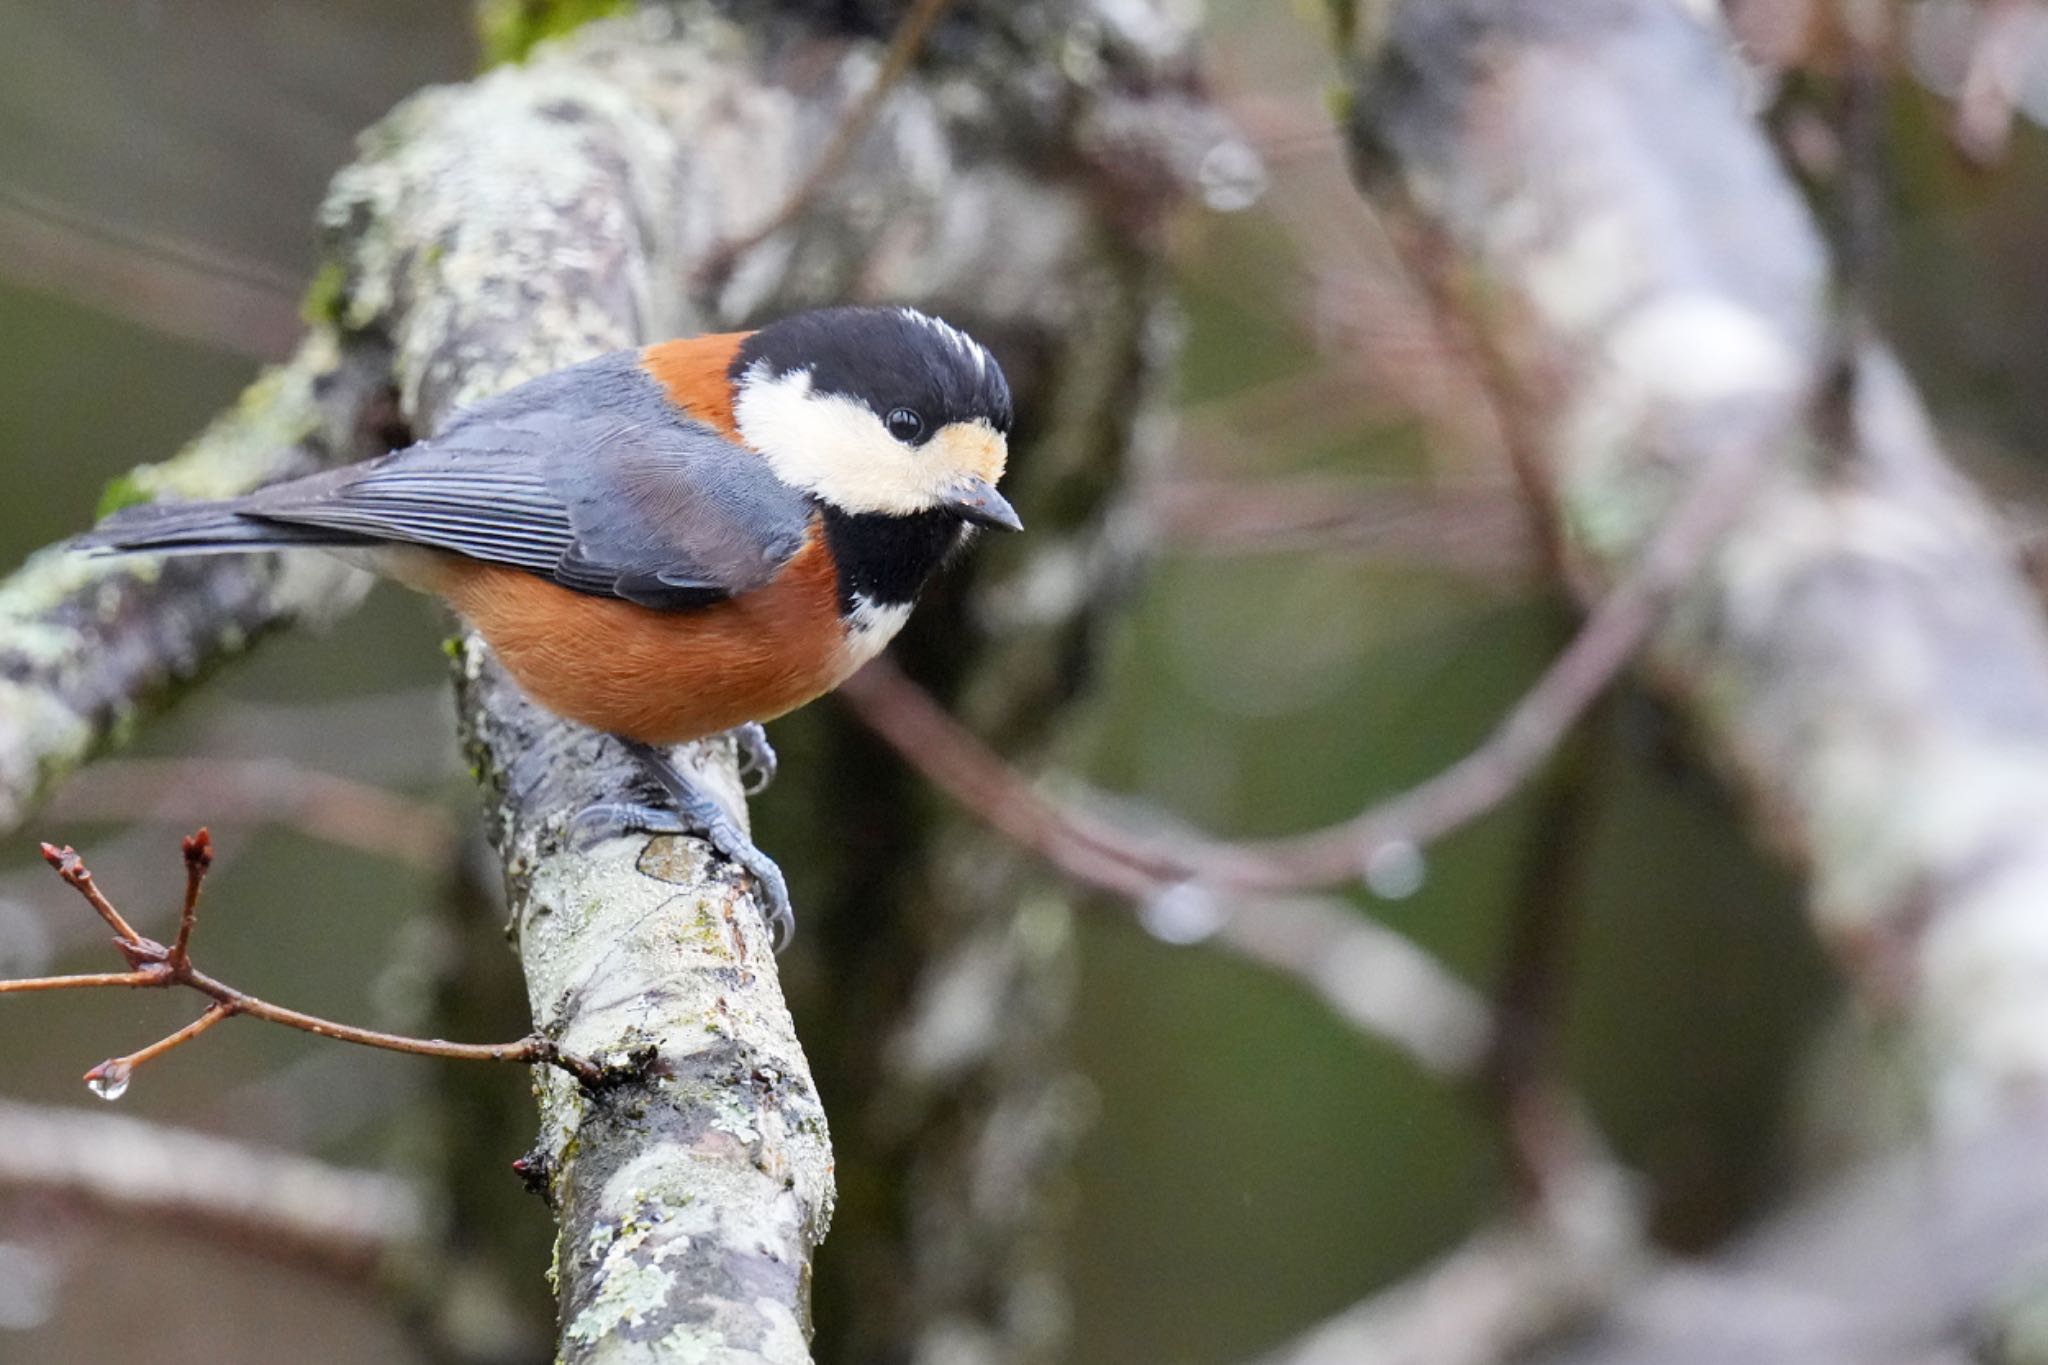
column 564, row 208
column 152, row 966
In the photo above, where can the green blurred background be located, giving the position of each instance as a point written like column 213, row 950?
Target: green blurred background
column 1253, row 1163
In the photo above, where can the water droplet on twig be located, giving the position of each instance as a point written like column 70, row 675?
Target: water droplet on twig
column 1395, row 870
column 1183, row 913
column 109, row 1080
column 1231, row 178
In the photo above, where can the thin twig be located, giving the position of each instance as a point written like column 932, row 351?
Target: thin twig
column 903, row 48
column 78, row 981
column 1613, row 633
column 153, row 966
column 1478, row 531
column 2007, row 35
column 953, row 759
column 198, row 851
column 1116, row 858
column 157, row 250
column 1539, row 1121
column 169, row 284
column 1372, row 977
column 78, row 877
column 110, row 1078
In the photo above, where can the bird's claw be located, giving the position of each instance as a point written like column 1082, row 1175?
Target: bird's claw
column 593, row 825
column 694, row 813
column 757, row 757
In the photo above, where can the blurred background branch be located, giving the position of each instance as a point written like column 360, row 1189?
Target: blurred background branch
column 341, row 1222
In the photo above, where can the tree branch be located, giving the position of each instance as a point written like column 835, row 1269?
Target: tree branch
column 88, row 643
column 563, row 208
column 274, row 1203
column 1860, row 650
column 1373, row 978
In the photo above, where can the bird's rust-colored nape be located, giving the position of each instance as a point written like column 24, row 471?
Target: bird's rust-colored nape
column 695, row 373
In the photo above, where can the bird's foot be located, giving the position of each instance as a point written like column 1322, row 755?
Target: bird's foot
column 694, row 813
column 757, row 757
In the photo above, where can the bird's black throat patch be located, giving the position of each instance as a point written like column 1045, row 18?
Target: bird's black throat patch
column 886, row 559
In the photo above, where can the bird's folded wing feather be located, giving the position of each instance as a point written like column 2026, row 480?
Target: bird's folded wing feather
column 666, row 512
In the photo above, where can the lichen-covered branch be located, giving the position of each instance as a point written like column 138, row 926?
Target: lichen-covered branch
column 1923, row 1255
column 571, row 205
column 566, row 207
column 1860, row 650
column 88, row 646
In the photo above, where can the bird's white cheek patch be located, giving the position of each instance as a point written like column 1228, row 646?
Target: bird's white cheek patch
column 835, row 447
column 830, row 445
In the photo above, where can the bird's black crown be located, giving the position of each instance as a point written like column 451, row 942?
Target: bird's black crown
column 885, row 358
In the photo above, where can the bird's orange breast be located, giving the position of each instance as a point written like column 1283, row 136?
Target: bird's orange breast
column 662, row 677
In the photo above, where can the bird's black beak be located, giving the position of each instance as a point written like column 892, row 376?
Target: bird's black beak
column 977, row 501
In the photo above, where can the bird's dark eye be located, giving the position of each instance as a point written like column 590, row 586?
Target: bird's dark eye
column 905, row 425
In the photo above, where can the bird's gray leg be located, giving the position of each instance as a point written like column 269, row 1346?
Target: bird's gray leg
column 695, row 812
column 757, row 756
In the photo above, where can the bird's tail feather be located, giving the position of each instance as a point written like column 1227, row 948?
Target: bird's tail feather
column 202, row 528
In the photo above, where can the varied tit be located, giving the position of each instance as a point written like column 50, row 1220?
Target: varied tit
column 672, row 542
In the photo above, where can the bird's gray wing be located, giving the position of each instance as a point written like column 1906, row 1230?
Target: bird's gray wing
column 658, row 510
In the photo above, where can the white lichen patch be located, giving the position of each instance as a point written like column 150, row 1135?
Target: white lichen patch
column 734, row 1118
column 784, row 1339
column 38, row 734
column 632, row 1285
column 696, row 1346
column 1693, row 347
column 1674, row 363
